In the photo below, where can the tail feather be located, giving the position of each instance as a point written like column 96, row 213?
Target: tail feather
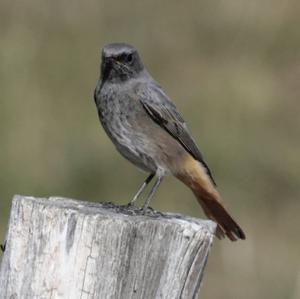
column 196, row 178
column 215, row 210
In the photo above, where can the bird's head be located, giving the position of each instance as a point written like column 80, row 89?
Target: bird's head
column 120, row 62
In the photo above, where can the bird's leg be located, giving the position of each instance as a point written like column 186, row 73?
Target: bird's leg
column 146, row 182
column 152, row 192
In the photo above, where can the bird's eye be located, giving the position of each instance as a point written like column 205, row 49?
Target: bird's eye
column 129, row 58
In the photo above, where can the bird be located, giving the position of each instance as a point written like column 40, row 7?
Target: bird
column 146, row 128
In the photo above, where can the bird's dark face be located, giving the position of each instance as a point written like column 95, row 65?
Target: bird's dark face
column 120, row 62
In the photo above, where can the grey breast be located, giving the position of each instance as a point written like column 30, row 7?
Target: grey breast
column 120, row 113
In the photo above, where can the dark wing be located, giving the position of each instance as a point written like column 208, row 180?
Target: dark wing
column 164, row 112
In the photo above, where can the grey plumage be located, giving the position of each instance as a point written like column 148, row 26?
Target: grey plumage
column 146, row 128
column 133, row 108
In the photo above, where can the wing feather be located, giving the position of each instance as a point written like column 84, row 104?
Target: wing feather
column 160, row 108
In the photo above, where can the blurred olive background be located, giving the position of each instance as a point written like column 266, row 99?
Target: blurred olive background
column 233, row 69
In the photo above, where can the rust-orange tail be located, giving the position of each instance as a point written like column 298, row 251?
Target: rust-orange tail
column 195, row 177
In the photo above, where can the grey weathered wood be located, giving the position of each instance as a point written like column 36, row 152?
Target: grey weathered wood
column 62, row 248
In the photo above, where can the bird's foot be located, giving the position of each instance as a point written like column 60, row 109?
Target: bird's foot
column 147, row 210
column 130, row 204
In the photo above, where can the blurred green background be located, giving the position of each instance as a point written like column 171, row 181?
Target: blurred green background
column 233, row 69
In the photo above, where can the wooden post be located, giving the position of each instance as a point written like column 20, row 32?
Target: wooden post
column 62, row 248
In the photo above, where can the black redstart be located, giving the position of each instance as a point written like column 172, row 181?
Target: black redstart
column 146, row 128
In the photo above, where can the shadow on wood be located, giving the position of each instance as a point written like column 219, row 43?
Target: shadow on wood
column 62, row 248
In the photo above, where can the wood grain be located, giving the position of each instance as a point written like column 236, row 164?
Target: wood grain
column 62, row 248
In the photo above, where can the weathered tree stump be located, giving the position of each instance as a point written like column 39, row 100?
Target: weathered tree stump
column 62, row 248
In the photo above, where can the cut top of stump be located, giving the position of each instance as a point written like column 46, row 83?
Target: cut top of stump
column 128, row 212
